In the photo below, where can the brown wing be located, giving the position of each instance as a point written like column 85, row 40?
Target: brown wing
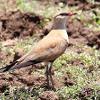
column 41, row 52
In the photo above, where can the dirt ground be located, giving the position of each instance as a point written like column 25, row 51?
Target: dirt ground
column 16, row 24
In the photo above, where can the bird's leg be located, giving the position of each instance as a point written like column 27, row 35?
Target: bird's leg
column 50, row 73
column 47, row 76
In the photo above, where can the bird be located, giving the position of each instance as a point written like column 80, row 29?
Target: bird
column 47, row 49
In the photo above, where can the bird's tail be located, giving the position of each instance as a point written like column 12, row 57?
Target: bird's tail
column 8, row 67
column 17, row 65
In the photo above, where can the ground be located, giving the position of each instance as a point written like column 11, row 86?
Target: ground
column 76, row 73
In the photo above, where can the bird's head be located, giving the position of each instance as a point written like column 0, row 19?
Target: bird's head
column 60, row 20
column 63, row 16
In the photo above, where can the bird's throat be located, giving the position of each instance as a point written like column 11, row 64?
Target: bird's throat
column 59, row 25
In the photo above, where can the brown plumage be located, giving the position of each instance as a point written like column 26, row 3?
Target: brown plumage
column 46, row 50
